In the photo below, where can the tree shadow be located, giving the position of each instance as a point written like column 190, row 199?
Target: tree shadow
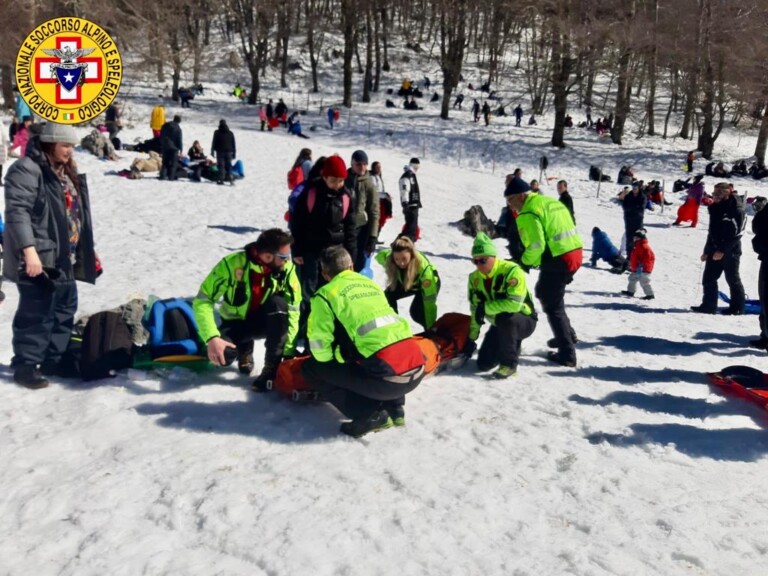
column 696, row 408
column 731, row 444
column 629, row 376
column 662, row 346
column 235, row 229
column 272, row 418
column 723, row 337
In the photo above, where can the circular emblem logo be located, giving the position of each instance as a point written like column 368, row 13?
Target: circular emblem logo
column 68, row 70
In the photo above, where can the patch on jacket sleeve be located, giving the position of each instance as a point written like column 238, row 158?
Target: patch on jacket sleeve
column 513, row 282
column 239, row 274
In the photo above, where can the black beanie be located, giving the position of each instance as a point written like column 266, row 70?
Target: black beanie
column 517, row 186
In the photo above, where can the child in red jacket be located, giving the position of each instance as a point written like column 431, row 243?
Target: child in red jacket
column 641, row 262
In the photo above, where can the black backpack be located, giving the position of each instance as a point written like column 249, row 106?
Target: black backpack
column 107, row 346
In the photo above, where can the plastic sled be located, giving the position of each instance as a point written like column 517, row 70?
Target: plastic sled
column 743, row 381
column 750, row 306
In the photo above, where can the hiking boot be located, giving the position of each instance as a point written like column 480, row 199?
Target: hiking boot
column 376, row 422
column 263, row 382
column 61, row 369
column 504, row 372
column 732, row 312
column 562, row 360
column 245, row 362
column 29, row 377
column 702, row 310
column 760, row 343
column 627, row 293
column 220, row 182
column 649, row 297
column 552, row 342
column 397, row 413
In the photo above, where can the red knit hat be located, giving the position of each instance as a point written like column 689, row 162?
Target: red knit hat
column 334, row 167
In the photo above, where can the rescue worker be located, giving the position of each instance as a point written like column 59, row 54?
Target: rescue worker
column 498, row 292
column 364, row 358
column 410, row 273
column 553, row 244
column 261, row 297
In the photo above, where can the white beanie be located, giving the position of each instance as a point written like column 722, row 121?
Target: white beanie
column 64, row 133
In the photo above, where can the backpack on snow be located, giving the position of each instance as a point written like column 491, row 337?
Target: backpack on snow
column 172, row 329
column 476, row 221
column 107, row 346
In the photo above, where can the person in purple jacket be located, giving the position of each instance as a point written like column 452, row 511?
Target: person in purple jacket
column 689, row 211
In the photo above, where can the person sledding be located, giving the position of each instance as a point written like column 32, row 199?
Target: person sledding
column 364, row 358
column 689, row 211
column 498, row 292
column 260, row 295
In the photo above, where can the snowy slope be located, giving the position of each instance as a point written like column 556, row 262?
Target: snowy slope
column 629, row 464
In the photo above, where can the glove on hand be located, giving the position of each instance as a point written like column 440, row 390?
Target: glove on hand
column 469, row 349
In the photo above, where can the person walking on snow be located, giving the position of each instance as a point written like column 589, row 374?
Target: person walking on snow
column 641, row 262
column 224, row 150
column 410, row 199
column 518, row 112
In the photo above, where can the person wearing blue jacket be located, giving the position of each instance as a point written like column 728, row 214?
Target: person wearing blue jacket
column 603, row 249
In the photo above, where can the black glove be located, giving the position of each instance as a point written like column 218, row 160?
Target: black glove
column 469, row 349
column 370, row 247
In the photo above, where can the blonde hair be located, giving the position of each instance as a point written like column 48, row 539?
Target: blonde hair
column 403, row 244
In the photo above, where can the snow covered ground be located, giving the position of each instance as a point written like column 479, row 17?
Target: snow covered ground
column 628, row 465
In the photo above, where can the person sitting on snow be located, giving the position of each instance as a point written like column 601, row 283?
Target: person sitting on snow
column 603, row 249
column 260, row 295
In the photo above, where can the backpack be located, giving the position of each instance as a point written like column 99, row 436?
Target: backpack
column 476, row 221
column 107, row 346
column 172, row 329
column 295, row 177
column 345, row 201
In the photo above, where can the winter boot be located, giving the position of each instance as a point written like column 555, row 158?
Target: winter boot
column 263, row 382
column 552, row 342
column 558, row 358
column 759, row 343
column 245, row 362
column 29, row 377
column 503, row 372
column 397, row 413
column 627, row 293
column 376, row 422
column 649, row 297
column 702, row 310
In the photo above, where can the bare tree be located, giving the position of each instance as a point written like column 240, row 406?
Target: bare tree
column 254, row 23
column 453, row 39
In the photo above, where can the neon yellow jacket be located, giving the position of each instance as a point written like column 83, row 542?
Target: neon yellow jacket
column 350, row 319
column 544, row 224
column 427, row 282
column 508, row 293
column 228, row 282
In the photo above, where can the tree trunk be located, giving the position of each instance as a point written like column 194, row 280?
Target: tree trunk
column 561, row 70
column 368, row 56
column 311, row 42
column 384, row 38
column 348, row 14
column 7, row 84
column 652, row 61
column 762, row 138
column 623, row 96
column 706, row 141
column 453, row 31
column 377, row 52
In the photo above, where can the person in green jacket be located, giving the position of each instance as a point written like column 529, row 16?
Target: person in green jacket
column 364, row 357
column 260, row 296
column 409, row 273
column 498, row 292
column 553, row 244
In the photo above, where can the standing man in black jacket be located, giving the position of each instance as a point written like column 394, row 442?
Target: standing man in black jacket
column 224, row 150
column 565, row 197
column 633, row 202
column 760, row 245
column 722, row 252
column 171, row 142
column 410, row 199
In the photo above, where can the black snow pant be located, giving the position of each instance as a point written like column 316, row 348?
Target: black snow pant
column 631, row 225
column 352, row 391
column 224, row 163
column 712, row 272
column 362, row 246
column 43, row 322
column 502, row 342
column 270, row 321
column 417, row 306
column 411, row 222
column 762, row 290
column 550, row 290
column 170, row 165
column 311, row 280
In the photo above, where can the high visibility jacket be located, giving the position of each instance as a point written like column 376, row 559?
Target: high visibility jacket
column 546, row 227
column 427, row 283
column 158, row 118
column 229, row 282
column 350, row 320
column 503, row 289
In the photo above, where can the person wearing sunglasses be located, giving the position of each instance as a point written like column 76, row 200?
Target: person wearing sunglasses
column 498, row 292
column 259, row 295
column 410, row 273
column 553, row 244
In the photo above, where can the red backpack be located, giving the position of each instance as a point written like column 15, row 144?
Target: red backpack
column 295, row 177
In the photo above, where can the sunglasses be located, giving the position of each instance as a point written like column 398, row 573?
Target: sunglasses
column 282, row 256
column 479, row 261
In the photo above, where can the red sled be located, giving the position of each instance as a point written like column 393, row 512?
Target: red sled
column 744, row 382
column 273, row 122
column 689, row 211
column 442, row 343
